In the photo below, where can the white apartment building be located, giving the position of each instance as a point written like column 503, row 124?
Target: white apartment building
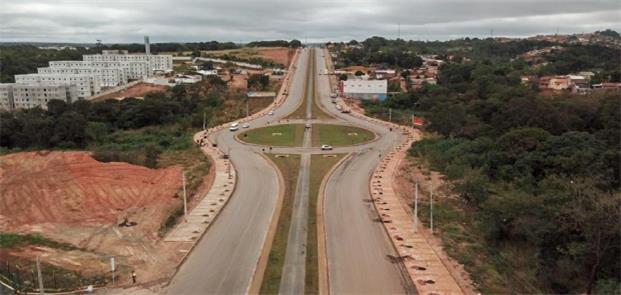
column 6, row 96
column 85, row 85
column 155, row 62
column 134, row 69
column 110, row 77
column 27, row 96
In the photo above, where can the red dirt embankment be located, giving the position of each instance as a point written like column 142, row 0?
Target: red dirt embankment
column 279, row 55
column 73, row 188
column 138, row 90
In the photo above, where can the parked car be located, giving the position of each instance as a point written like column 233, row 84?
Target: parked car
column 326, row 147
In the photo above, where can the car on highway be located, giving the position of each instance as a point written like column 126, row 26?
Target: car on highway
column 234, row 126
column 246, row 125
column 326, row 147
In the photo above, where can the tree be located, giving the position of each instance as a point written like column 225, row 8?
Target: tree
column 258, row 81
column 473, row 187
column 150, row 156
column 343, row 77
column 595, row 215
column 447, row 120
column 295, row 43
column 359, row 73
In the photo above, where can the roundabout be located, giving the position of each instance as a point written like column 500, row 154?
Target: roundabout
column 292, row 135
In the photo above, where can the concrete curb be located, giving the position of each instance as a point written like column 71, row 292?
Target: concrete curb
column 195, row 242
column 324, row 274
column 259, row 271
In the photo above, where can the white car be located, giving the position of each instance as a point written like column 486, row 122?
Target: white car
column 326, row 147
column 234, row 126
column 271, row 113
column 246, row 125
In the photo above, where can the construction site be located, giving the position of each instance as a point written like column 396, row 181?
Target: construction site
column 75, row 214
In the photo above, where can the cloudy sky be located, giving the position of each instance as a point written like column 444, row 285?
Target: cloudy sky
column 312, row 20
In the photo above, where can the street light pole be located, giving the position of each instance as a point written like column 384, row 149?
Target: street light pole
column 39, row 276
column 204, row 120
column 185, row 200
column 416, row 209
column 431, row 208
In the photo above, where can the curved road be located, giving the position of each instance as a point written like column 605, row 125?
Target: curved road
column 360, row 254
column 224, row 260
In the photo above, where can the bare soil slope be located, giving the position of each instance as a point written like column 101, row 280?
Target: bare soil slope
column 72, row 187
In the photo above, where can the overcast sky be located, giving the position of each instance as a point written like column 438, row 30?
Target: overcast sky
column 313, row 20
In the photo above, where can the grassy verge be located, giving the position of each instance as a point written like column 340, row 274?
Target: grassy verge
column 339, row 135
column 278, row 135
column 12, row 240
column 289, row 167
column 493, row 271
column 320, row 165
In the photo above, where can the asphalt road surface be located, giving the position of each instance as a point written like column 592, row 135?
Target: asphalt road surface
column 224, row 260
column 360, row 254
column 358, row 250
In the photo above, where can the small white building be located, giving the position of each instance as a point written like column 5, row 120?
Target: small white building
column 188, row 79
column 364, row 89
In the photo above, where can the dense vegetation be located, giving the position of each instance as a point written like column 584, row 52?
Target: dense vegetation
column 276, row 43
column 105, row 126
column 536, row 173
column 404, row 54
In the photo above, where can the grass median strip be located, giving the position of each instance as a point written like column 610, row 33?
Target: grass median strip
column 316, row 111
column 320, row 165
column 339, row 135
column 289, row 166
column 277, row 135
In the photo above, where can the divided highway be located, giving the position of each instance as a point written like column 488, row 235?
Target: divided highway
column 359, row 253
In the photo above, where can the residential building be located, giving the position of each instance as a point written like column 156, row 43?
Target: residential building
column 27, row 96
column 134, row 69
column 6, row 96
column 364, row 89
column 85, row 85
column 155, row 62
column 110, row 76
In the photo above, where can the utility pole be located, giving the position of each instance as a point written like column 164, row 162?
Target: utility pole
column 185, row 200
column 39, row 276
column 431, row 208
column 416, row 209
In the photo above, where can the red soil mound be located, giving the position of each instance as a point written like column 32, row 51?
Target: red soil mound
column 278, row 55
column 72, row 187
